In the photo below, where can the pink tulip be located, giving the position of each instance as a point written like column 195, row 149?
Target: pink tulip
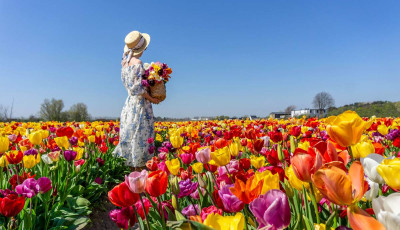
column 136, row 181
column 204, row 155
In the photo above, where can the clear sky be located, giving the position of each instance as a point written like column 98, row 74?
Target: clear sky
column 228, row 57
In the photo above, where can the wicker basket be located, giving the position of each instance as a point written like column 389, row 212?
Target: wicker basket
column 158, row 91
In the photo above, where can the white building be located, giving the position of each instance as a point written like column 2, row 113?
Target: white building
column 309, row 112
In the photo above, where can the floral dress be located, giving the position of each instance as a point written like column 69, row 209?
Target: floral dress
column 137, row 120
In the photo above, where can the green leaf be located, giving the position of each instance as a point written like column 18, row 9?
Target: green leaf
column 308, row 223
column 179, row 216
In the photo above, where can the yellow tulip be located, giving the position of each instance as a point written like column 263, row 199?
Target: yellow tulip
column 320, row 227
column 159, row 137
column 257, row 162
column 383, row 129
column 270, row 181
column 3, row 161
column 35, row 138
column 304, row 145
column 389, row 169
column 92, row 138
column 221, row 157
column 4, row 144
column 362, row 149
column 30, row 161
column 219, row 222
column 346, row 129
column 234, row 148
column 173, row 166
column 62, row 142
column 197, row 167
column 176, row 141
column 79, row 153
column 294, row 181
column 45, row 134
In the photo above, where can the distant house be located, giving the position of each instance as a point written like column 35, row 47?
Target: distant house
column 309, row 112
column 279, row 115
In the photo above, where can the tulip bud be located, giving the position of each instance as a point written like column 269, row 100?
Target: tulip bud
column 175, row 203
column 201, row 181
column 292, row 144
column 175, row 186
column 288, row 189
column 280, row 153
column 77, row 168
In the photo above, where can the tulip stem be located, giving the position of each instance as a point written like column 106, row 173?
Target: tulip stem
column 314, row 203
column 144, row 210
column 137, row 216
column 161, row 213
column 230, row 176
column 350, row 153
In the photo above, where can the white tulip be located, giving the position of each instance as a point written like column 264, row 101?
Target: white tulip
column 370, row 163
column 373, row 190
column 387, row 210
column 46, row 159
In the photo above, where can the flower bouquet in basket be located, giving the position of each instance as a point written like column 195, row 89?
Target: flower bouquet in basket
column 155, row 77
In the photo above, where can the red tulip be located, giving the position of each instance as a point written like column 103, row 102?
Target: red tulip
column 65, row 131
column 122, row 196
column 220, row 143
column 157, row 183
column 14, row 157
column 11, row 205
column 306, row 163
column 258, row 144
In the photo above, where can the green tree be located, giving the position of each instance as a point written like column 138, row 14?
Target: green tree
column 51, row 110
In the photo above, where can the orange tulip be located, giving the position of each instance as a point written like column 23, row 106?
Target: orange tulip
column 247, row 191
column 361, row 220
column 306, row 163
column 338, row 186
column 341, row 188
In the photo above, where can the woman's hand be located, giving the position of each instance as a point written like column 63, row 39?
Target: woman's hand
column 151, row 99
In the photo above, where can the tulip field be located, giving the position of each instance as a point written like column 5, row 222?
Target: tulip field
column 340, row 172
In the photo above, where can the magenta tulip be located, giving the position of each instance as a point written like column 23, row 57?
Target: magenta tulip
column 28, row 188
column 231, row 203
column 44, row 184
column 271, row 209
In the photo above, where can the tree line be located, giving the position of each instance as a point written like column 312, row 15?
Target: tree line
column 52, row 110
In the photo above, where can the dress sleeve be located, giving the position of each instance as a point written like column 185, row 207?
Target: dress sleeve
column 137, row 88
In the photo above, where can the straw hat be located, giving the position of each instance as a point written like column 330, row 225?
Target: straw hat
column 136, row 41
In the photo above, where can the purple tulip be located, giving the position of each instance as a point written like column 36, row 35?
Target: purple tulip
column 31, row 151
column 44, row 184
column 272, row 209
column 186, row 187
column 69, row 155
column 231, row 203
column 191, row 211
column 98, row 180
column 195, row 195
column 152, row 149
column 28, row 188
column 73, row 140
column 393, row 134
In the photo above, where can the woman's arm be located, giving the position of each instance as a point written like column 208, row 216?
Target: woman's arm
column 151, row 99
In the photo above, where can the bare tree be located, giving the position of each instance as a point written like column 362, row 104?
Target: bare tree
column 323, row 100
column 3, row 113
column 52, row 110
column 290, row 108
column 78, row 112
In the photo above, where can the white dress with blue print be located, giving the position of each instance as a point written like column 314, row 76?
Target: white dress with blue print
column 137, row 120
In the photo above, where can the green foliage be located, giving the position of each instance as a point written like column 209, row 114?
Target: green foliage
column 376, row 108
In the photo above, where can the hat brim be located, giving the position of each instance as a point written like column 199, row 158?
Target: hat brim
column 144, row 46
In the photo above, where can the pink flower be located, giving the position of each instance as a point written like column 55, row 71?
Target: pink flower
column 136, row 181
column 208, row 210
column 123, row 218
column 150, row 140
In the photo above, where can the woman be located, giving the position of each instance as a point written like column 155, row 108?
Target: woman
column 137, row 121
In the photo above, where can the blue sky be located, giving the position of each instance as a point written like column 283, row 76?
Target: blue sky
column 228, row 57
